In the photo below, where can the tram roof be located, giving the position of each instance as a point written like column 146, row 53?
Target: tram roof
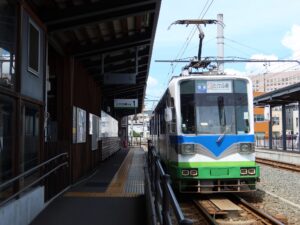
column 108, row 33
column 286, row 95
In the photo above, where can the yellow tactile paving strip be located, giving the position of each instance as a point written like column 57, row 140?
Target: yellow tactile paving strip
column 135, row 179
column 127, row 182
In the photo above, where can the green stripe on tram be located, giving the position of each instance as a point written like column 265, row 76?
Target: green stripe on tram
column 213, row 170
column 214, row 164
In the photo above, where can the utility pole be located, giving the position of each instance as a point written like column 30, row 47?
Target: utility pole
column 264, row 74
column 220, row 42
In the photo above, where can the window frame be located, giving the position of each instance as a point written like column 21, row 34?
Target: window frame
column 29, row 68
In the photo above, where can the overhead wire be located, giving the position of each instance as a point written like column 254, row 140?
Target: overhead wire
column 244, row 45
column 190, row 36
column 274, row 67
column 195, row 28
column 238, row 50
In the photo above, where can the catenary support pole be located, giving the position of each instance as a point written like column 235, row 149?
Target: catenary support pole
column 220, row 42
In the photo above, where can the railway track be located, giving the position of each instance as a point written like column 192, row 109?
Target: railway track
column 225, row 210
column 281, row 165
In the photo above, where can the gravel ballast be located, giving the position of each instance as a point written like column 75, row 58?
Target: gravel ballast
column 278, row 194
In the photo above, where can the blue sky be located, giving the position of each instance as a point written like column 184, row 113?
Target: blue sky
column 264, row 29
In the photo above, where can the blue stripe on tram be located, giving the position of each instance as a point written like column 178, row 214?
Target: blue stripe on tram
column 211, row 141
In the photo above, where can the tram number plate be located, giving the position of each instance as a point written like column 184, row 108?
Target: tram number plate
column 219, row 172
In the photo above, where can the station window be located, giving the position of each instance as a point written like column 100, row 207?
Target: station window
column 33, row 48
column 8, row 20
column 31, row 134
column 259, row 118
column 6, row 137
column 275, row 120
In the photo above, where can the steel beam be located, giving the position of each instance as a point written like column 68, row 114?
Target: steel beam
column 113, row 46
column 94, row 13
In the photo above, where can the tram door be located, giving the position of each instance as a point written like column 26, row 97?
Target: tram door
column 170, row 124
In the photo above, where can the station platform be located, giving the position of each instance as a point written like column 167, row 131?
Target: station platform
column 113, row 195
column 279, row 156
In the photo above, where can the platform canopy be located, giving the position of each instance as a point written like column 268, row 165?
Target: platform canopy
column 282, row 96
column 109, row 37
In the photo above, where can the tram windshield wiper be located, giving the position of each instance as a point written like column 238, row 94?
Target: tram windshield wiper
column 221, row 137
column 222, row 118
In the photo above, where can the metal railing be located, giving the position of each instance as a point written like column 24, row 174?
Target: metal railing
column 165, row 200
column 31, row 171
column 292, row 144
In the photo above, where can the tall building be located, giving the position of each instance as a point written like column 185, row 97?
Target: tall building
column 271, row 81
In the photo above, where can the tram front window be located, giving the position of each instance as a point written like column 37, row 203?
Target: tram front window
column 214, row 117
column 214, row 107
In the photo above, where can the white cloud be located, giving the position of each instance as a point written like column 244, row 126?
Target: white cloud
column 233, row 72
column 153, row 93
column 291, row 40
column 256, row 68
column 151, row 82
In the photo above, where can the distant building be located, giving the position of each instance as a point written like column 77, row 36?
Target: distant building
column 261, row 126
column 269, row 82
column 138, row 125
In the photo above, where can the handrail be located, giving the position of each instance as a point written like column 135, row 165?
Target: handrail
column 162, row 191
column 32, row 170
column 33, row 183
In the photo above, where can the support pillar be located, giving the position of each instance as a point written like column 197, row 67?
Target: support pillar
column 270, row 128
column 299, row 125
column 284, row 127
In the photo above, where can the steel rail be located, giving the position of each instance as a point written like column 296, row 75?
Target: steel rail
column 207, row 216
column 281, row 165
column 259, row 212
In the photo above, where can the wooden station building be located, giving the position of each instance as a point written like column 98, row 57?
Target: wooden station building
column 63, row 64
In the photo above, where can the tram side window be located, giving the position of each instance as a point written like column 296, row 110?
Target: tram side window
column 162, row 122
column 241, row 107
column 187, row 99
column 151, row 126
column 156, row 124
column 171, row 127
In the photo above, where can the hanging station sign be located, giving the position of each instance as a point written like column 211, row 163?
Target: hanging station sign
column 126, row 103
column 119, row 78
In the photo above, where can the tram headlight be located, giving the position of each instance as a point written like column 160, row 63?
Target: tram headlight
column 189, row 172
column 187, row 149
column 246, row 148
column 247, row 171
column 251, row 171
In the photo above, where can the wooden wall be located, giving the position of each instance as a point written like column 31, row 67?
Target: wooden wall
column 86, row 95
column 74, row 87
